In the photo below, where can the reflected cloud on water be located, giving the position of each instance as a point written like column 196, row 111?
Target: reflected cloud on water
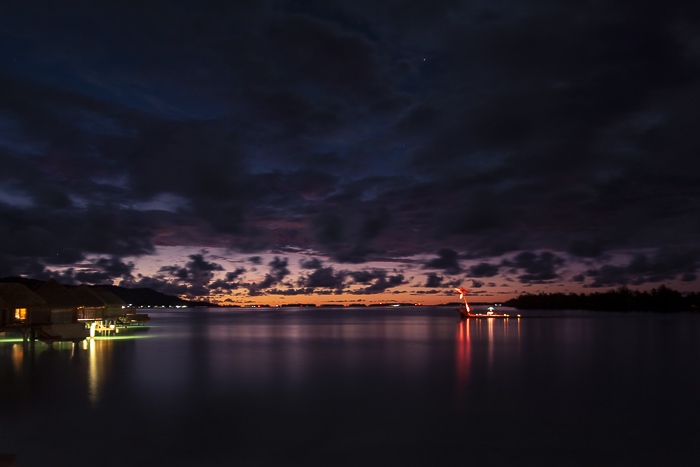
column 294, row 353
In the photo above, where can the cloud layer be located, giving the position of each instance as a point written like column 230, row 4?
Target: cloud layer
column 397, row 146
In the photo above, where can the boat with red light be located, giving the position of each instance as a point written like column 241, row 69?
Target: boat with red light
column 465, row 310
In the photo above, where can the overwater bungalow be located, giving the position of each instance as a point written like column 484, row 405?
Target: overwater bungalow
column 20, row 307
column 25, row 311
column 63, row 303
column 52, row 311
column 115, row 307
column 115, row 311
column 91, row 306
column 107, row 309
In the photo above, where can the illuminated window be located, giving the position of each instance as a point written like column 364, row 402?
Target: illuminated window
column 20, row 314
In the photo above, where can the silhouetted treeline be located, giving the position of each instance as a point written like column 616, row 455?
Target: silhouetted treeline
column 620, row 299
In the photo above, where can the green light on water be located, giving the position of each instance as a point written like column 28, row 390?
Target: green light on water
column 11, row 340
column 129, row 336
column 120, row 337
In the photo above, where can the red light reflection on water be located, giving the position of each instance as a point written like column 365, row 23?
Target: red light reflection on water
column 494, row 342
column 463, row 361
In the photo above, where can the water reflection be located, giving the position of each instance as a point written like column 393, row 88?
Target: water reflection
column 292, row 348
column 463, row 360
column 482, row 345
column 339, row 387
column 80, row 370
column 17, row 357
column 98, row 365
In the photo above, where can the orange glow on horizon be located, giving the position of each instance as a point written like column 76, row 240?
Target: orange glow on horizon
column 416, row 297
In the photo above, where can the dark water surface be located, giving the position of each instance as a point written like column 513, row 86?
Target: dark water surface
column 352, row 387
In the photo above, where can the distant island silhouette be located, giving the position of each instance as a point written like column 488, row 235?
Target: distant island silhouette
column 620, row 299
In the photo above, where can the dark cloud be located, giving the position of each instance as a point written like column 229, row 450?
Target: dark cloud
column 114, row 267
column 434, row 280
column 348, row 235
column 382, row 283
column 288, row 292
column 233, row 275
column 161, row 283
column 94, row 271
column 325, row 278
column 278, row 268
column 664, row 266
column 586, row 248
column 347, row 131
column 231, row 281
column 365, row 276
column 483, row 270
column 447, row 260
column 195, row 277
column 538, row 268
column 323, row 55
column 278, row 271
column 311, row 263
column 57, row 236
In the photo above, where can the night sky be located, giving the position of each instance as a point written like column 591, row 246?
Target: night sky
column 351, row 151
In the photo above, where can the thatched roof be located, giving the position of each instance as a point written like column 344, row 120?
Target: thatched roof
column 19, row 296
column 108, row 297
column 86, row 297
column 57, row 295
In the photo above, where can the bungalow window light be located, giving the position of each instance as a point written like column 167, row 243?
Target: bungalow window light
column 20, row 314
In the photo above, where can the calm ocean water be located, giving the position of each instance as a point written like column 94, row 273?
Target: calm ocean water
column 355, row 387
